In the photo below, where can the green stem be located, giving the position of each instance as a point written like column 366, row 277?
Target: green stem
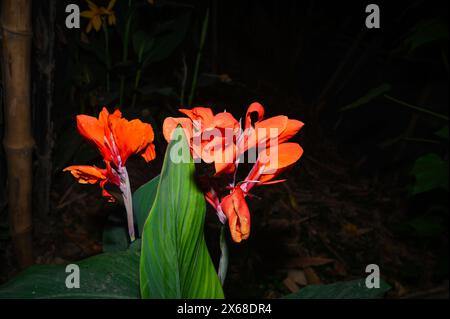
column 183, row 82
column 136, row 85
column 223, row 263
column 108, row 59
column 420, row 140
column 125, row 52
column 199, row 57
column 417, row 108
column 138, row 76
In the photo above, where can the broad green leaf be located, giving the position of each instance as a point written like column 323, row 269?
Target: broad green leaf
column 115, row 238
column 175, row 261
column 143, row 199
column 372, row 94
column 431, row 172
column 108, row 275
column 355, row 289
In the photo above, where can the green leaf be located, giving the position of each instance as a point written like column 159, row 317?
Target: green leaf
column 143, row 199
column 108, row 275
column 142, row 43
column 431, row 172
column 175, row 261
column 372, row 94
column 426, row 32
column 115, row 238
column 355, row 289
column 167, row 38
column 443, row 132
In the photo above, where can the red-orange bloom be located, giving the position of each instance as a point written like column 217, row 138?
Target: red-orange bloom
column 116, row 139
column 200, row 128
column 276, row 156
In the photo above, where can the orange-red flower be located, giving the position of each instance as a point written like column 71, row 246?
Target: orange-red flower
column 201, row 128
column 116, row 139
column 269, row 134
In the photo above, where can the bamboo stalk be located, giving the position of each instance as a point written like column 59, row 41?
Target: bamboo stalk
column 18, row 141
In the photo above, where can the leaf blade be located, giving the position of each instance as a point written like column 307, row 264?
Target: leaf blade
column 175, row 261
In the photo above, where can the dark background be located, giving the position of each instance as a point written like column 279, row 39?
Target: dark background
column 348, row 202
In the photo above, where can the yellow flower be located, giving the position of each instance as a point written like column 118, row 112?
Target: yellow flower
column 96, row 13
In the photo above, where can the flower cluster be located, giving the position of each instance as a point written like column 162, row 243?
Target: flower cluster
column 222, row 140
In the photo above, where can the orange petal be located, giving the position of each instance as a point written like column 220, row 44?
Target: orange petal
column 93, row 130
column 292, row 127
column 263, row 131
column 225, row 120
column 149, row 153
column 224, row 162
column 270, row 128
column 87, row 14
column 203, row 114
column 171, row 123
column 131, row 137
column 97, row 22
column 235, row 208
column 254, row 107
column 273, row 165
column 86, row 174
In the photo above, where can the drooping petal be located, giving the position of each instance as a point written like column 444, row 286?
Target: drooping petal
column 86, row 174
column 111, row 19
column 149, row 154
column 236, row 210
column 254, row 107
column 97, row 22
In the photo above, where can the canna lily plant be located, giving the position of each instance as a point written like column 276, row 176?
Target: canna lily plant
column 116, row 139
column 171, row 258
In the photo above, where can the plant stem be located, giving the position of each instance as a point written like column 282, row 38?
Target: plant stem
column 417, row 108
column 127, row 199
column 125, row 52
column 199, row 57
column 138, row 76
column 136, row 85
column 223, row 263
column 108, row 60
column 183, row 82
